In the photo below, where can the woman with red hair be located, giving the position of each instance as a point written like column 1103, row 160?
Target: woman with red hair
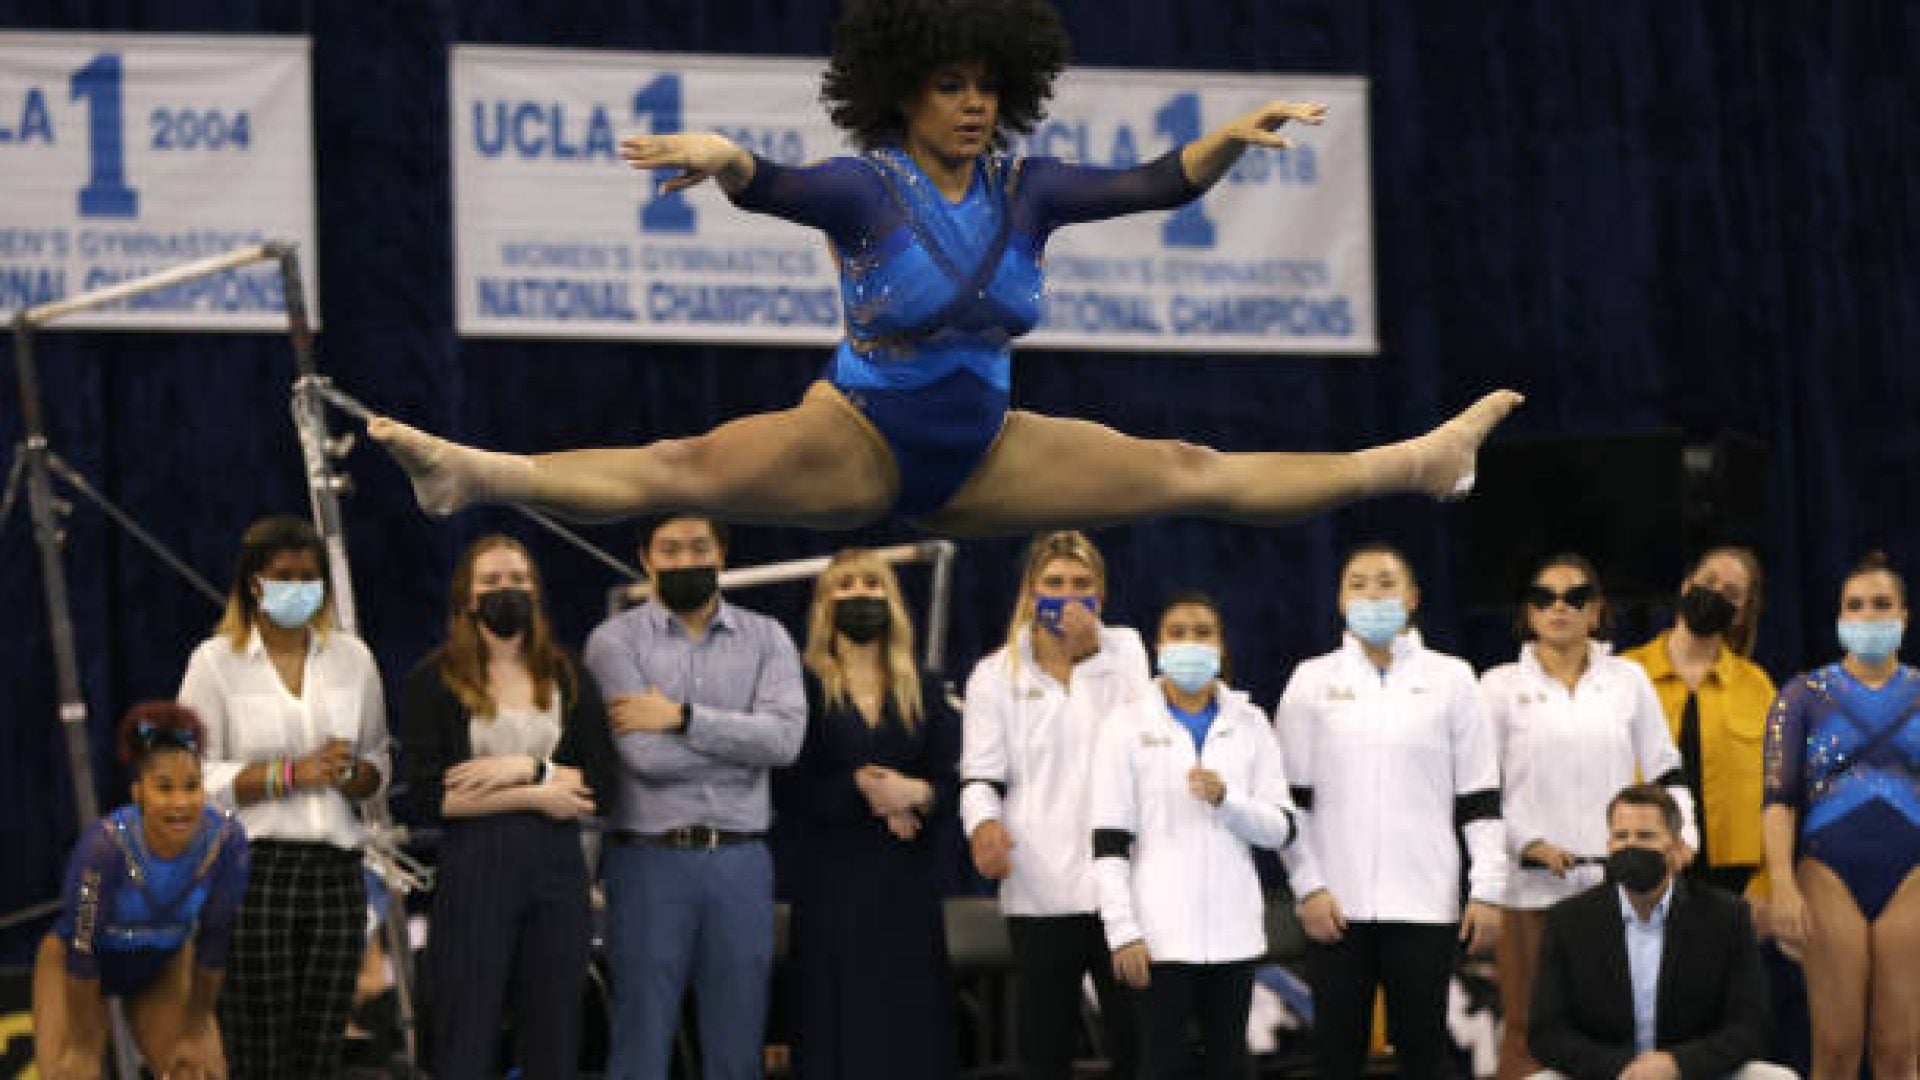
column 508, row 750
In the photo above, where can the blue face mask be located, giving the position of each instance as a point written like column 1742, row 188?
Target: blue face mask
column 1048, row 610
column 1190, row 665
column 291, row 604
column 1872, row 640
column 1377, row 622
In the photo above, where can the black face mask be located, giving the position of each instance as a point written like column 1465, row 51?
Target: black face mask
column 1637, row 869
column 506, row 612
column 1705, row 611
column 687, row 588
column 861, row 618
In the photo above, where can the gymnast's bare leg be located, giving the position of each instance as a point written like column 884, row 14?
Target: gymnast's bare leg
column 821, row 465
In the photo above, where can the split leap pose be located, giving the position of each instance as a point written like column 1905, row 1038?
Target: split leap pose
column 938, row 235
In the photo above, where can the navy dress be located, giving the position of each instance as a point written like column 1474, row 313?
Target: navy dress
column 871, row 992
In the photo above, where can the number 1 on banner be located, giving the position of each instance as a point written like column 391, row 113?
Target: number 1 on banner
column 106, row 193
column 1178, row 121
column 660, row 100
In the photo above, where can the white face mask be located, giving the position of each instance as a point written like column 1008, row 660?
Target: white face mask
column 1190, row 665
column 1872, row 640
column 1377, row 622
column 291, row 604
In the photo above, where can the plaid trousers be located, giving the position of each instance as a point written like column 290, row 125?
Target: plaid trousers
column 296, row 951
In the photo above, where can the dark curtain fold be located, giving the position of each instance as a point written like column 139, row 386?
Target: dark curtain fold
column 1644, row 215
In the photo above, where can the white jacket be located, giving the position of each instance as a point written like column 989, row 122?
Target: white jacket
column 1383, row 764
column 1172, row 870
column 1565, row 754
column 1026, row 759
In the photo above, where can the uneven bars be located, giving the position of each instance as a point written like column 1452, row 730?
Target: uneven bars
column 938, row 552
column 813, row 567
column 339, row 399
column 213, row 264
column 352, row 406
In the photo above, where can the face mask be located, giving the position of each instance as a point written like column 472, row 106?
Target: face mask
column 290, row 604
column 1705, row 611
column 1048, row 611
column 861, row 618
column 688, row 588
column 1190, row 665
column 505, row 612
column 1872, row 640
column 1377, row 622
column 1637, row 869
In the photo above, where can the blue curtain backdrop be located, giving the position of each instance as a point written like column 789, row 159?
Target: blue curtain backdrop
column 1645, row 215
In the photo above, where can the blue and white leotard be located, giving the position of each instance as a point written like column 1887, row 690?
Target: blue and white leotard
column 1847, row 757
column 126, row 912
column 936, row 291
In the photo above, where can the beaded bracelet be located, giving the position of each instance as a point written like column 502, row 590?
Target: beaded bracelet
column 270, row 780
column 286, row 775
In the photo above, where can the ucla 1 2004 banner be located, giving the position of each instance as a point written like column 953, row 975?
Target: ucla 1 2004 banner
column 125, row 154
column 556, row 237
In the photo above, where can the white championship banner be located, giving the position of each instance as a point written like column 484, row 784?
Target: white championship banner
column 124, row 154
column 554, row 236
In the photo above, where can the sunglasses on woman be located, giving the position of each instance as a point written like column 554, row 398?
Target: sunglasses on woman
column 1540, row 598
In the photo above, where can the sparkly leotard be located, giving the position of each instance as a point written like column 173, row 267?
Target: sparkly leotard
column 935, row 291
column 126, row 912
column 1847, row 757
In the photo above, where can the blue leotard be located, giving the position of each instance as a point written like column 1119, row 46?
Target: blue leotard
column 935, row 292
column 1857, row 790
column 125, row 912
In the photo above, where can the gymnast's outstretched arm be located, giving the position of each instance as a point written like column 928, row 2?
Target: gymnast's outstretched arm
column 1065, row 194
column 839, row 196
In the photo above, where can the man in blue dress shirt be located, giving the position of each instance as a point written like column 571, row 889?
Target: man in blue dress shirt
column 704, row 698
column 1647, row 977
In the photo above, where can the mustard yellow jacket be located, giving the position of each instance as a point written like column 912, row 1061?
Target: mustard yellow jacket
column 1734, row 699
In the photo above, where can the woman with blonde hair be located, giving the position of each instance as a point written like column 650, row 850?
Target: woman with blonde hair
column 507, row 750
column 1034, row 712
column 866, row 805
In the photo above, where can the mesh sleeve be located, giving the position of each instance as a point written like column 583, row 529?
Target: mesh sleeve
column 1063, row 194
column 841, row 196
column 224, row 891
column 85, row 899
column 1787, row 745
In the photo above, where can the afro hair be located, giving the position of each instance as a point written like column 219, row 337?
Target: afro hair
column 884, row 51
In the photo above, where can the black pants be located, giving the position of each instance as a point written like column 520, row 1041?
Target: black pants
column 1414, row 962
column 511, row 930
column 1050, row 956
column 291, row 967
column 1218, row 997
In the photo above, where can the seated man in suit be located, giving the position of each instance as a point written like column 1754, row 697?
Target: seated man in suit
column 1648, row 977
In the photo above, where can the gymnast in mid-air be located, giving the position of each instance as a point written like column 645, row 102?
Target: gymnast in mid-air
column 938, row 234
